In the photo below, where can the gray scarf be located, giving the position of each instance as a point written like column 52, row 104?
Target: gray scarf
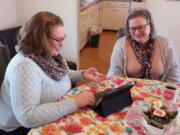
column 54, row 67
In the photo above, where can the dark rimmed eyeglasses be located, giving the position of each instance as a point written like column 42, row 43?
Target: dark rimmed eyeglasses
column 58, row 40
column 140, row 28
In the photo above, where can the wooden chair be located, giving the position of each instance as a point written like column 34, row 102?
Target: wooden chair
column 121, row 33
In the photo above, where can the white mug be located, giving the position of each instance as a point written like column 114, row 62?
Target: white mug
column 170, row 93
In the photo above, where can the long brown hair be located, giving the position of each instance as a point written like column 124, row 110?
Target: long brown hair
column 33, row 36
column 147, row 16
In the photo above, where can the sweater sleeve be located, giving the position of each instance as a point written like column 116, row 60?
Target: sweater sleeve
column 25, row 93
column 172, row 63
column 75, row 75
column 117, row 60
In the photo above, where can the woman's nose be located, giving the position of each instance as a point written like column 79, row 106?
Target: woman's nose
column 137, row 32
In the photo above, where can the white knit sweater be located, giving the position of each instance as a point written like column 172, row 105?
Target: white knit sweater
column 28, row 96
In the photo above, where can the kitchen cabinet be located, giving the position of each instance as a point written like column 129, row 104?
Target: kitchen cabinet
column 114, row 15
column 108, row 17
column 100, row 14
column 88, row 17
column 84, row 28
column 138, row 5
column 94, row 14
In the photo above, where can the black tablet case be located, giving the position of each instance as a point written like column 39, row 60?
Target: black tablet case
column 113, row 100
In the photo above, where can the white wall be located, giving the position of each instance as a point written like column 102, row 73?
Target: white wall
column 67, row 9
column 166, row 15
column 8, row 14
column 17, row 12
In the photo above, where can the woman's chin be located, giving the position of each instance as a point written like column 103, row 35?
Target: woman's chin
column 54, row 54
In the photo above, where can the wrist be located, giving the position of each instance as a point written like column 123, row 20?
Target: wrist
column 83, row 75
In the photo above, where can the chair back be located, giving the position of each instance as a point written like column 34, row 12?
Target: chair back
column 8, row 37
column 4, row 60
column 121, row 33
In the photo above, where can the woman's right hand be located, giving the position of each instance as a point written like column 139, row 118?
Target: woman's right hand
column 84, row 98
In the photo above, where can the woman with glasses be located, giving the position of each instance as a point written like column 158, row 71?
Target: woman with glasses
column 142, row 53
column 38, row 76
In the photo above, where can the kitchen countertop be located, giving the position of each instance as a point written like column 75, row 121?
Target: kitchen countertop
column 88, row 4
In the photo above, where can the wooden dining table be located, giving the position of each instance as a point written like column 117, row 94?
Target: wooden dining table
column 85, row 121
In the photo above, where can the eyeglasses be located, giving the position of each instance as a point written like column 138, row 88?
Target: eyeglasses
column 140, row 28
column 58, row 40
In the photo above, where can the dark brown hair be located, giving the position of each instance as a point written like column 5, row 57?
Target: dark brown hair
column 33, row 36
column 140, row 13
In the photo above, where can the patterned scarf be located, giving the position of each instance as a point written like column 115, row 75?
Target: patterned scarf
column 54, row 67
column 144, row 54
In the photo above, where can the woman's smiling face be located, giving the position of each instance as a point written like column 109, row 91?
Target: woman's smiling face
column 56, row 38
column 139, row 29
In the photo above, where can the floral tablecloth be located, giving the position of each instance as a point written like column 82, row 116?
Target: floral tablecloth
column 86, row 122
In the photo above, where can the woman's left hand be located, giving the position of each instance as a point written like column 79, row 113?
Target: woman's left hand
column 92, row 74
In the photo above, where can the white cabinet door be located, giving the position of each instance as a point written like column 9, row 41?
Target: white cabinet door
column 94, row 14
column 84, row 39
column 120, row 19
column 97, row 15
column 84, row 28
column 114, row 15
column 138, row 5
column 108, row 18
column 100, row 14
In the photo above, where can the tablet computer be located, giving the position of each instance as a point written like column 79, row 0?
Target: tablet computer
column 112, row 100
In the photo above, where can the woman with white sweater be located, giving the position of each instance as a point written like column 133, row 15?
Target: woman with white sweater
column 38, row 76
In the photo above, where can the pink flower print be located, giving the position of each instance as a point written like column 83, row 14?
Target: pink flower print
column 86, row 121
column 72, row 128
column 100, row 118
column 118, row 81
column 138, row 84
